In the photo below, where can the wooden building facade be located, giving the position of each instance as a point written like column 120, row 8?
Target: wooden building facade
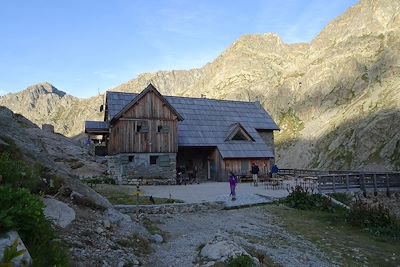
column 151, row 136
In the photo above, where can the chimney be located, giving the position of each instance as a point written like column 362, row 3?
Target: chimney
column 203, row 96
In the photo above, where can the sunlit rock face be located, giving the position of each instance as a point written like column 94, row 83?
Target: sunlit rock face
column 336, row 99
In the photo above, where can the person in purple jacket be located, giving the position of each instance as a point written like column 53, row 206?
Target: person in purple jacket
column 232, row 184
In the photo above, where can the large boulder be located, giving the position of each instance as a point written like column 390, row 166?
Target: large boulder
column 58, row 212
column 7, row 240
column 221, row 250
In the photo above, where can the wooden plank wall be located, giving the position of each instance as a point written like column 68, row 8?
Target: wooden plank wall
column 152, row 112
column 235, row 165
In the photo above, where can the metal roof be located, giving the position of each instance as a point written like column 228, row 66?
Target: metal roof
column 207, row 122
column 96, row 127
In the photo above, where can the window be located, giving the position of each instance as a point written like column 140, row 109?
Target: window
column 153, row 160
column 240, row 136
column 131, row 158
column 142, row 127
column 162, row 129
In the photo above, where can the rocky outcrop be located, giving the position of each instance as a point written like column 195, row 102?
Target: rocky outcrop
column 58, row 212
column 57, row 154
column 335, row 98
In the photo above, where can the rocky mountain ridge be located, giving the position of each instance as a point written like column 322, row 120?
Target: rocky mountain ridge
column 336, row 99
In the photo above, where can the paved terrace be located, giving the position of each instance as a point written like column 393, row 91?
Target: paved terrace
column 246, row 193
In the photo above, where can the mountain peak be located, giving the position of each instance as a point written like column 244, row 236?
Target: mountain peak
column 45, row 88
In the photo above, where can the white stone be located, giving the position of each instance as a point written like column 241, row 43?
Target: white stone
column 99, row 230
column 221, row 249
column 107, row 223
column 6, row 240
column 75, row 195
column 157, row 238
column 117, row 217
column 58, row 212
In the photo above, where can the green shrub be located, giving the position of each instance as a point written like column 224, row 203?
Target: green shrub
column 23, row 212
column 302, row 199
column 240, row 261
column 375, row 219
column 17, row 173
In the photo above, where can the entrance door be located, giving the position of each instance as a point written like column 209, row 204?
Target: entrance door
column 244, row 167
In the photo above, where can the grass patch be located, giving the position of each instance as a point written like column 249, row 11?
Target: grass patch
column 153, row 229
column 123, row 195
column 263, row 259
column 330, row 232
column 137, row 243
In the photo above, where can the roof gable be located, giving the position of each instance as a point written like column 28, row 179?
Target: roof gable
column 137, row 98
column 238, row 133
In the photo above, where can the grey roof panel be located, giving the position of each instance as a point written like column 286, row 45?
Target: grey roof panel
column 207, row 121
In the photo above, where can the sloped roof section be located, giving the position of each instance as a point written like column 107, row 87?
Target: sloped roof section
column 96, row 127
column 149, row 88
column 207, row 122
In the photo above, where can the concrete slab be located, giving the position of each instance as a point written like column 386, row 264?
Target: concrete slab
column 246, row 193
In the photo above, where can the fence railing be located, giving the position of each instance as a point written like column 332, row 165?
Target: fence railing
column 347, row 181
column 365, row 182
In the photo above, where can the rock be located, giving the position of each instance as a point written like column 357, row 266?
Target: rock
column 99, row 230
column 116, row 217
column 7, row 240
column 136, row 262
column 121, row 264
column 75, row 195
column 221, row 249
column 156, row 238
column 107, row 224
column 58, row 212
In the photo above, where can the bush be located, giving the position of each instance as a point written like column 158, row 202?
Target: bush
column 23, row 212
column 240, row 261
column 300, row 198
column 375, row 219
column 17, row 173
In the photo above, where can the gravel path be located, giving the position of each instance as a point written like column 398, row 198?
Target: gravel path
column 250, row 227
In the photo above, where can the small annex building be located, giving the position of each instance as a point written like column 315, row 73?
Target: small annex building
column 149, row 136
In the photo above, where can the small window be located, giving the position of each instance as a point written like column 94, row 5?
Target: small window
column 131, row 158
column 142, row 127
column 153, row 160
column 239, row 136
column 162, row 129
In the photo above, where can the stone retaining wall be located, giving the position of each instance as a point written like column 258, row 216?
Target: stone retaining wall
column 170, row 208
column 135, row 168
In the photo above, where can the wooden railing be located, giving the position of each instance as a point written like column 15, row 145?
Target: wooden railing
column 348, row 181
column 362, row 181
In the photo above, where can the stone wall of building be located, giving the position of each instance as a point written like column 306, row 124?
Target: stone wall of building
column 137, row 168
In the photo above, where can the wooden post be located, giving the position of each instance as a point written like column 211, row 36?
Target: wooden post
column 375, row 186
column 333, row 183
column 363, row 185
column 347, row 183
column 387, row 185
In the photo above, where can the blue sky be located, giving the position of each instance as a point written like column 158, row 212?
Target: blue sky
column 82, row 46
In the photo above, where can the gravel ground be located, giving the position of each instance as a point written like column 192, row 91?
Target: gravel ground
column 250, row 227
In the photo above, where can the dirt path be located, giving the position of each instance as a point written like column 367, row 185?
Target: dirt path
column 253, row 228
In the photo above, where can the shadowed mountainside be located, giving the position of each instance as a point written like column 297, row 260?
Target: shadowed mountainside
column 341, row 85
